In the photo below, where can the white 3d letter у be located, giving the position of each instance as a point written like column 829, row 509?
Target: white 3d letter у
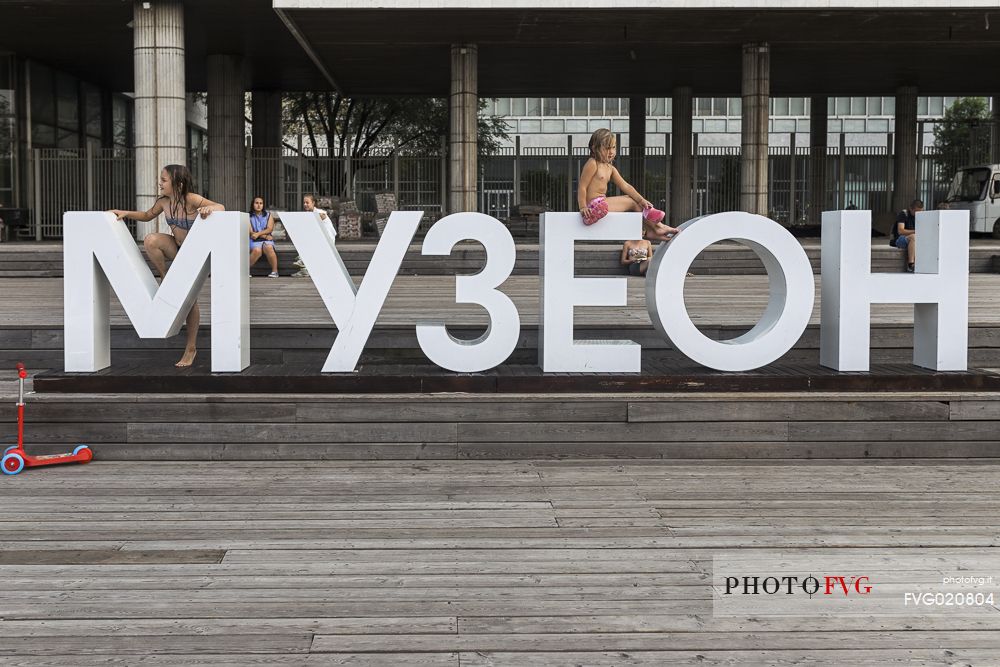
column 353, row 309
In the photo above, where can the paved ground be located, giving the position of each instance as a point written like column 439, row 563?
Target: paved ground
column 455, row 563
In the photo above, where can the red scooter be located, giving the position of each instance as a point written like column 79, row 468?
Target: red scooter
column 15, row 458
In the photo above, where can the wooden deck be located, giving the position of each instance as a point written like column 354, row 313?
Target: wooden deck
column 468, row 564
column 290, row 325
column 44, row 260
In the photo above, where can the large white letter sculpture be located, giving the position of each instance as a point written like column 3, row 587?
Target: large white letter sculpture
column 353, row 309
column 495, row 345
column 790, row 283
column 939, row 290
column 99, row 252
column 561, row 291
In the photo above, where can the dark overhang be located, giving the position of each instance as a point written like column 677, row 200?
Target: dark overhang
column 92, row 39
column 595, row 48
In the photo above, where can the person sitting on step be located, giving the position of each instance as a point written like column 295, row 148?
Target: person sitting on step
column 261, row 241
column 309, row 205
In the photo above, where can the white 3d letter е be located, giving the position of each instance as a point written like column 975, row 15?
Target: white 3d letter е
column 353, row 309
column 790, row 286
column 561, row 291
column 493, row 347
column 99, row 253
column 938, row 290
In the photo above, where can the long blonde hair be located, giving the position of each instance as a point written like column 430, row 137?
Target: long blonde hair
column 602, row 138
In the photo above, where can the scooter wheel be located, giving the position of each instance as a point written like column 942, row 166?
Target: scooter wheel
column 12, row 464
column 81, row 448
column 11, row 448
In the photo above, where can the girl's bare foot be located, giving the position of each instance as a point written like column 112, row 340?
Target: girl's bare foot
column 660, row 231
column 187, row 359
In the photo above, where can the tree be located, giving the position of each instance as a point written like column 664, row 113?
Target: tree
column 962, row 137
column 367, row 126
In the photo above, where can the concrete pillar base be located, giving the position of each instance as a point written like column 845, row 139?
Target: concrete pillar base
column 818, row 122
column 756, row 100
column 160, row 108
column 266, row 170
column 226, row 132
column 904, row 172
column 681, row 162
column 462, row 139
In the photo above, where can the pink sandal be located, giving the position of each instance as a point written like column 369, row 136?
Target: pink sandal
column 653, row 215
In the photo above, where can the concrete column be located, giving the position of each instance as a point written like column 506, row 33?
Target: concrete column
column 904, row 167
column 818, row 122
column 464, row 112
column 756, row 100
column 267, row 147
column 637, row 146
column 160, row 112
column 995, row 131
column 681, row 164
column 226, row 132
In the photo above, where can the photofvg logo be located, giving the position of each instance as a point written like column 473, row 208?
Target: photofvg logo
column 758, row 583
column 793, row 585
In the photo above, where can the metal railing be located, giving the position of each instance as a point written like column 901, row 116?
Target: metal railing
column 90, row 179
column 510, row 182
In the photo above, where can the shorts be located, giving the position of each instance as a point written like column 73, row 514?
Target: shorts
column 596, row 209
column 259, row 244
column 635, row 269
column 902, row 242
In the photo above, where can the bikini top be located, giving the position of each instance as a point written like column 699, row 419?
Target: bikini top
column 177, row 216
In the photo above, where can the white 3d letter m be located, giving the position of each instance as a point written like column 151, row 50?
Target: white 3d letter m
column 99, row 254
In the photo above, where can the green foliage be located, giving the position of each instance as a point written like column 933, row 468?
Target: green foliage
column 962, row 137
column 373, row 125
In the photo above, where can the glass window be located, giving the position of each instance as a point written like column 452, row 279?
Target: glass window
column 94, row 113
column 624, row 105
column 43, row 103
column 702, row 106
column 779, row 106
column 796, row 106
column 921, row 106
column 121, row 110
column 581, row 107
column 874, row 106
column 565, row 106
column 517, row 106
column 843, row 106
column 611, row 106
column 857, row 106
column 533, row 106
column 668, row 106
column 502, row 106
column 935, row 106
column 549, row 107
column 68, row 102
column 656, row 106
column 67, row 138
column 736, row 106
column 596, row 106
column 43, row 136
column 889, row 106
